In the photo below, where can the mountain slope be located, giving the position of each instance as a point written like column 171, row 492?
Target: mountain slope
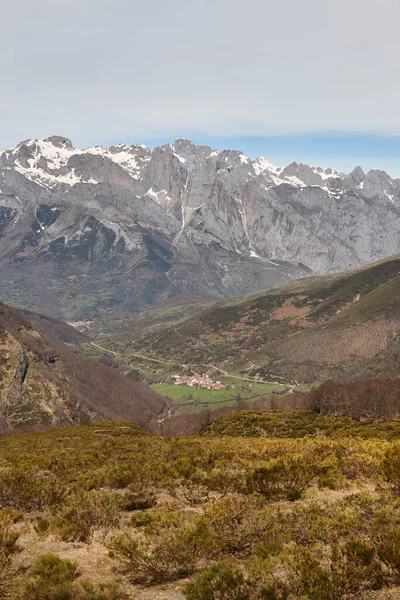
column 88, row 233
column 343, row 326
column 43, row 382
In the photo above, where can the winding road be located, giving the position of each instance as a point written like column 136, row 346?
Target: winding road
column 291, row 386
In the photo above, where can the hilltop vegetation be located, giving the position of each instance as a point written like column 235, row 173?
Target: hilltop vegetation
column 300, row 424
column 102, row 512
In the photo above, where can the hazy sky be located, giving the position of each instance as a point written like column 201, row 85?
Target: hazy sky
column 307, row 80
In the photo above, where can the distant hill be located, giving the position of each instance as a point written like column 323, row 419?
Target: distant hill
column 343, row 327
column 45, row 382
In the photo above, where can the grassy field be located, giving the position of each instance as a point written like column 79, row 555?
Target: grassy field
column 196, row 399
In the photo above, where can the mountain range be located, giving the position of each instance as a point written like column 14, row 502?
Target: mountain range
column 87, row 234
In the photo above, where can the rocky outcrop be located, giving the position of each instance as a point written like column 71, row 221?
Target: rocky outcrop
column 87, row 232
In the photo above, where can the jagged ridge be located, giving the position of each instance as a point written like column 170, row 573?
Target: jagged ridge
column 116, row 229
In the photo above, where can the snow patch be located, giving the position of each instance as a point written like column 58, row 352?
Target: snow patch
column 180, row 158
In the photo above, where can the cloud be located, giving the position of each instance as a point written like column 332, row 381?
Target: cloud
column 99, row 70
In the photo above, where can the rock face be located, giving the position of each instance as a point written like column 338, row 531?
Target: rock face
column 85, row 233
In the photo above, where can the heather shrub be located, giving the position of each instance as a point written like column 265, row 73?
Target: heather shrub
column 221, row 581
column 138, row 498
column 225, row 581
column 329, row 474
column 87, row 515
column 27, row 490
column 284, row 477
column 8, row 534
column 9, row 579
column 230, row 526
column 349, row 569
column 192, row 489
column 160, row 555
column 54, row 578
column 391, row 467
column 8, row 546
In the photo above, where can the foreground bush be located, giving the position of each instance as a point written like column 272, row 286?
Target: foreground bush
column 224, row 581
column 54, row 578
column 8, row 546
column 163, row 555
column 27, row 490
column 283, row 477
column 221, row 581
column 86, row 516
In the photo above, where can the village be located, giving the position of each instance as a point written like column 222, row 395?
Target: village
column 203, row 382
column 81, row 325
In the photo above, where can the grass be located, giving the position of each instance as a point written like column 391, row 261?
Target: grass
column 195, row 399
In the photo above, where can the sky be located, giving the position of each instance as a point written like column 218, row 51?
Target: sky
column 315, row 81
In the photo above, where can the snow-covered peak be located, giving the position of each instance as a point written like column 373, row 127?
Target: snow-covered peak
column 327, row 173
column 47, row 161
column 294, row 174
column 130, row 158
column 263, row 165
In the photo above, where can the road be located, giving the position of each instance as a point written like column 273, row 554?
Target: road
column 184, row 366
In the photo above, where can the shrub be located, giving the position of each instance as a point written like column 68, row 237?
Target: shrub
column 8, row 545
column 193, row 491
column 283, row 477
column 350, row 569
column 230, row 526
column 389, row 547
column 329, row 474
column 164, row 555
column 225, row 581
column 391, row 467
column 54, row 569
column 138, row 498
column 54, row 578
column 221, row 581
column 87, row 515
column 9, row 579
column 24, row 490
column 8, row 534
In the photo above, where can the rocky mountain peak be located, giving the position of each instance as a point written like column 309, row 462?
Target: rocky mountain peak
column 59, row 142
column 121, row 227
column 357, row 175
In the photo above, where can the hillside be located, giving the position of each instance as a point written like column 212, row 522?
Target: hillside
column 99, row 232
column 344, row 327
column 300, row 424
column 310, row 509
column 45, row 382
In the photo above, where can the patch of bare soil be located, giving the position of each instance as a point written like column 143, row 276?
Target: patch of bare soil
column 296, row 314
column 390, row 594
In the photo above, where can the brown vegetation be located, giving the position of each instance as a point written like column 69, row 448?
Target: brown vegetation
column 314, row 514
column 43, row 382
